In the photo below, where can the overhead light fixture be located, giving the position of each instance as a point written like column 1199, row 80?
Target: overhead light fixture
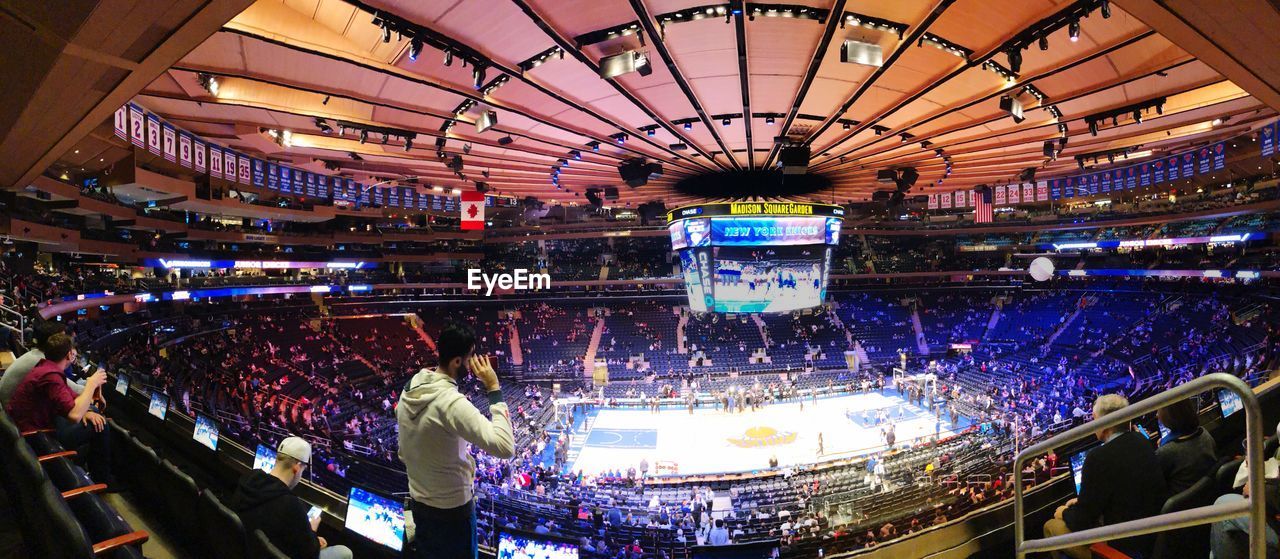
column 650, row 131
column 1015, row 59
column 1073, row 30
column 768, row 120
column 408, row 144
column 487, row 120
column 846, row 125
column 858, row 52
column 725, row 121
column 1137, row 116
column 576, row 154
column 1044, row 42
column 594, row 145
column 386, row 33
column 1105, row 8
column 625, row 63
column 415, row 48
column 448, row 57
column 364, row 136
column 1013, row 106
column 688, row 126
column 385, row 138
column 209, row 83
column 477, row 76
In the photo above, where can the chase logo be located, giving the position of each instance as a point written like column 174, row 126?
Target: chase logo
column 837, row 211
column 690, row 211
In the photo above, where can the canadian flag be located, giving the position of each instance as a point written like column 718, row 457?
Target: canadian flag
column 472, row 211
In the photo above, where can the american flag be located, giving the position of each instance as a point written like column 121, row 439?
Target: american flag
column 982, row 208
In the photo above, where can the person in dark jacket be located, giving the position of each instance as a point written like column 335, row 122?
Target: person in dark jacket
column 1122, row 481
column 265, row 501
column 1187, row 454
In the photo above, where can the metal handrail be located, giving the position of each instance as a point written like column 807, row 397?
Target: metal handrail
column 1254, row 505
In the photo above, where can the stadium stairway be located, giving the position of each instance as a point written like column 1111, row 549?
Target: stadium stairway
column 517, row 355
column 921, row 344
column 1063, row 327
column 991, row 324
column 415, row 322
column 764, row 331
column 681, row 348
column 588, row 361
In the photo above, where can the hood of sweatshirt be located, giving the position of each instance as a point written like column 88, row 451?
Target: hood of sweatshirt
column 259, row 488
column 423, row 389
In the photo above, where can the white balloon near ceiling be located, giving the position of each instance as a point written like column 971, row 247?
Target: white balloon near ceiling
column 1041, row 269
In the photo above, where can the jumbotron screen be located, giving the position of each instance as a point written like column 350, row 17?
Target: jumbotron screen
column 755, row 257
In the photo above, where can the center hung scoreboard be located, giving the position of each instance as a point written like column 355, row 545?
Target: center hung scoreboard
column 752, row 257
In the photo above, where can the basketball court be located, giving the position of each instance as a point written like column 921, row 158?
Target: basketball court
column 617, row 439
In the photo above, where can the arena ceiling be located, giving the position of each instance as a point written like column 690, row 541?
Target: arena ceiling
column 725, row 80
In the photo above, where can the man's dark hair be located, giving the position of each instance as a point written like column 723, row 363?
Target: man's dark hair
column 44, row 330
column 454, row 341
column 1180, row 417
column 58, row 347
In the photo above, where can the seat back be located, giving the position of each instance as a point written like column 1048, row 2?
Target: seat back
column 262, row 547
column 1225, row 476
column 65, row 474
column 223, row 532
column 182, row 497
column 1192, row 541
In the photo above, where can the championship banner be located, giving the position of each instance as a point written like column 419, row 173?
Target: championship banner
column 1219, row 155
column 964, row 199
column 122, row 123
column 170, row 137
column 137, row 135
column 310, row 180
column 366, row 197
column 1157, row 171
column 229, row 164
column 945, row 202
column 393, row 197
column 215, row 161
column 184, row 149
column 1042, row 191
column 1204, row 160
column 259, row 173
column 1171, row 168
column 1104, row 182
column 1055, row 188
column 286, row 179
column 1028, row 193
column 199, row 155
column 1094, row 184
column 246, row 172
column 1188, row 165
column 1130, row 178
column 297, row 181
column 1267, row 138
column 273, row 176
column 424, row 201
column 1117, row 180
column 933, row 201
column 1012, row 195
column 153, row 134
column 1069, row 186
column 377, row 196
column 999, row 195
column 1144, row 174
column 322, row 186
column 437, row 203
column 406, row 197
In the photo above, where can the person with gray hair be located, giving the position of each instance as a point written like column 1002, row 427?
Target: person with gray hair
column 1121, row 481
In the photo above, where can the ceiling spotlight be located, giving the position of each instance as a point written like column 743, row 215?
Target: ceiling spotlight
column 725, row 121
column 1015, row 59
column 594, row 145
column 562, row 162
column 1217, row 121
column 576, row 154
column 1105, row 7
column 1044, row 42
column 448, row 57
column 415, row 48
column 688, row 126
column 1073, row 30
column 386, row 33
column 209, row 83
column 768, row 120
column 408, row 144
column 325, row 101
column 1137, row 117
column 846, row 125
column 650, row 131
column 385, row 137
column 364, row 136
column 477, row 76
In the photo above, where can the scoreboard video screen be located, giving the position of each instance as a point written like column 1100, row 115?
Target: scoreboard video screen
column 755, row 257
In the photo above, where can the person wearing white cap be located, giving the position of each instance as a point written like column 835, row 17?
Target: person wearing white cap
column 436, row 424
column 265, row 501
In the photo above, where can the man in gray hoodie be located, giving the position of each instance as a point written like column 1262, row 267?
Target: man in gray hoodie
column 436, row 424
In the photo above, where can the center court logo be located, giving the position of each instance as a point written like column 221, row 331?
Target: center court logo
column 519, row 280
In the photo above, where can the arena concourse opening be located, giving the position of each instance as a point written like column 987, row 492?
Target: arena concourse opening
column 645, row 279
